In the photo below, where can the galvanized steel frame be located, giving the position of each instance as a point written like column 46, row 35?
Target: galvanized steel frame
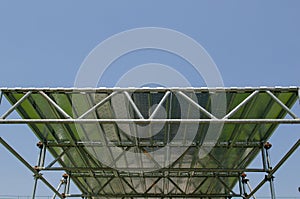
column 165, row 173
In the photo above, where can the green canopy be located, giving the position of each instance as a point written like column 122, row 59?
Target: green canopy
column 116, row 158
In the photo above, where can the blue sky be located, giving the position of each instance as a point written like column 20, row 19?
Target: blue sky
column 42, row 44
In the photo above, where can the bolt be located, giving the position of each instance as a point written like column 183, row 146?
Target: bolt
column 36, row 168
column 65, row 175
column 267, row 145
column 39, row 144
column 243, row 175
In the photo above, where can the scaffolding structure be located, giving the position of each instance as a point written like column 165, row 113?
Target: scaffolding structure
column 76, row 125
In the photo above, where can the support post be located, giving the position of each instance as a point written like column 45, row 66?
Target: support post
column 64, row 182
column 34, row 170
column 58, row 188
column 245, row 182
column 68, row 184
column 263, row 155
column 277, row 166
column 267, row 146
column 40, row 163
column 240, row 186
column 34, row 186
column 244, row 191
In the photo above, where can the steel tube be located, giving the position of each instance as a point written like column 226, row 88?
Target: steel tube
column 159, row 105
column 11, row 109
column 278, row 165
column 154, row 121
column 58, row 188
column 58, row 108
column 155, row 195
column 34, row 187
column 197, row 105
column 139, row 170
column 57, row 158
column 159, row 89
column 19, row 157
column 287, row 109
column 135, row 108
column 241, row 104
column 97, row 105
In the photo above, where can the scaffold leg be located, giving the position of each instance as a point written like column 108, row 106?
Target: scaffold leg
column 276, row 167
column 267, row 146
column 245, row 182
column 66, row 180
column 65, row 183
column 40, row 163
column 34, row 187
column 272, row 188
column 57, row 189
column 34, row 170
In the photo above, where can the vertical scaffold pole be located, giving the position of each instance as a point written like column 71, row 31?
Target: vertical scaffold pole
column 58, row 188
column 240, row 185
column 267, row 146
column 40, row 162
column 34, row 186
column 245, row 182
column 263, row 155
column 243, row 176
column 66, row 183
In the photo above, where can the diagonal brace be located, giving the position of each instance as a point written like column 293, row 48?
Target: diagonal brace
column 152, row 185
column 159, row 105
column 287, row 109
column 133, row 105
column 238, row 107
column 176, row 185
column 279, row 164
column 58, row 157
column 35, row 172
column 97, row 105
column 9, row 111
column 203, row 110
column 57, row 107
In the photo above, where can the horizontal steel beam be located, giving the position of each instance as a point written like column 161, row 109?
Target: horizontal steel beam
column 153, row 144
column 145, row 170
column 190, row 174
column 152, row 121
column 157, row 89
column 155, row 195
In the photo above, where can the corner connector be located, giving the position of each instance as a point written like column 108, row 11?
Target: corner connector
column 267, row 145
column 40, row 144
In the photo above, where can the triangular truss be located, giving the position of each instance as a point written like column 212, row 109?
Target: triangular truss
column 251, row 115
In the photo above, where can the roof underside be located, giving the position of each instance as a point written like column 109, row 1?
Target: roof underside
column 82, row 143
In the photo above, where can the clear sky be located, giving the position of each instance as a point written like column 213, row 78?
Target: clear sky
column 42, row 44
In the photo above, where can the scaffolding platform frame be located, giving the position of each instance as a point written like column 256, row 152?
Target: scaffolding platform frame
column 166, row 175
